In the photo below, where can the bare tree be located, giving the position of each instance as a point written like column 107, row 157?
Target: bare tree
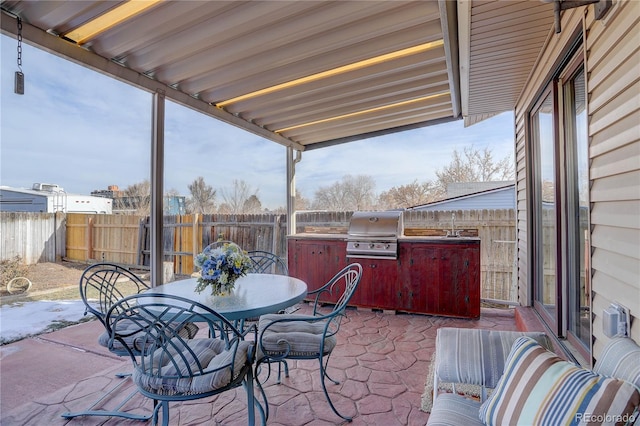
column 301, row 202
column 135, row 199
column 409, row 195
column 352, row 193
column 236, row 198
column 473, row 166
column 252, row 205
column 203, row 197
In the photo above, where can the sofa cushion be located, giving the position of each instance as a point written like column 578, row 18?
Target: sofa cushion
column 538, row 387
column 621, row 359
column 452, row 409
column 476, row 356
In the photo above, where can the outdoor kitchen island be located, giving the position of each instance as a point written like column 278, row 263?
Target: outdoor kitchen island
column 429, row 275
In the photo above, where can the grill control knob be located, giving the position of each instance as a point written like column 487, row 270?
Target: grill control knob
column 371, row 245
column 356, row 244
column 386, row 246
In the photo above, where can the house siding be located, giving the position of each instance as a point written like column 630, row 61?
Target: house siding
column 612, row 56
column 614, row 113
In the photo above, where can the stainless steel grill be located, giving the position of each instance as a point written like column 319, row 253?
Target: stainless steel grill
column 374, row 235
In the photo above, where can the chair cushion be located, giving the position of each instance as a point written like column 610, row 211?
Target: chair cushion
column 301, row 338
column 476, row 356
column 454, row 410
column 538, row 387
column 135, row 339
column 181, row 374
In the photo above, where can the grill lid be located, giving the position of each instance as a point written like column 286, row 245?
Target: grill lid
column 374, row 234
column 387, row 225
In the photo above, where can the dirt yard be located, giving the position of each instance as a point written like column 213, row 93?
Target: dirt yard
column 51, row 281
column 47, row 276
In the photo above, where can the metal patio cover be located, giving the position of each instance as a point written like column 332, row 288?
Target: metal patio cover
column 305, row 74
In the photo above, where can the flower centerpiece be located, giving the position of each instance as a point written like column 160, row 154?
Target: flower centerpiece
column 221, row 267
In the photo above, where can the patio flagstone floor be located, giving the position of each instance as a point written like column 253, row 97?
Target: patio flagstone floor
column 381, row 361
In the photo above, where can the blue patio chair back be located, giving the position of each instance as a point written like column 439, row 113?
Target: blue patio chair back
column 169, row 367
column 103, row 284
column 264, row 262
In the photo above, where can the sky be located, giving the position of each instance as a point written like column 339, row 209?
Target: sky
column 85, row 131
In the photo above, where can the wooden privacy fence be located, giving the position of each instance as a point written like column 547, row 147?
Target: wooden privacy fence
column 34, row 237
column 125, row 239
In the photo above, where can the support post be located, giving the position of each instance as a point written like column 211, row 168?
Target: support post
column 157, row 177
column 291, row 189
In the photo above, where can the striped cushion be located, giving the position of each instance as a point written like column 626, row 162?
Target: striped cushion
column 451, row 409
column 476, row 356
column 538, row 387
column 620, row 359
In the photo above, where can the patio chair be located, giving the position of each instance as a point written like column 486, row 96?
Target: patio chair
column 169, row 367
column 300, row 337
column 265, row 262
column 107, row 283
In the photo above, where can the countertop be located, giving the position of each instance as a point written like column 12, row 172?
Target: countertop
column 344, row 237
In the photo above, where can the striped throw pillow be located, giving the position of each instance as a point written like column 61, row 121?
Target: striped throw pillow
column 539, row 388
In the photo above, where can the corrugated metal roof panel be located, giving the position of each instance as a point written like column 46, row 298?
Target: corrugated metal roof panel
column 216, row 51
column 320, row 70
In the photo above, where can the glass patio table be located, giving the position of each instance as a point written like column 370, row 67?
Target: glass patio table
column 253, row 295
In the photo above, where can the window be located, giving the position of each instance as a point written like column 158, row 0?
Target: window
column 559, row 194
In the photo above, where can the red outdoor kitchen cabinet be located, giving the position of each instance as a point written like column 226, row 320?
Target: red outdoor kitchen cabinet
column 441, row 277
column 438, row 276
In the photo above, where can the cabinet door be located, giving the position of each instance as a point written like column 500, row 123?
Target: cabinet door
column 420, row 278
column 378, row 287
column 462, row 266
column 316, row 262
column 442, row 279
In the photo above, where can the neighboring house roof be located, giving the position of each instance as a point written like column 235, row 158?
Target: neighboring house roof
column 502, row 197
column 456, row 189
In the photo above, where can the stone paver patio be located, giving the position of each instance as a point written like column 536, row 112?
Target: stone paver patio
column 381, row 361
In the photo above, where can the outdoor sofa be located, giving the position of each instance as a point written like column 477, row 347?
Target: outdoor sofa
column 529, row 384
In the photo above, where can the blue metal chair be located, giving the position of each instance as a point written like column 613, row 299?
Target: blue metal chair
column 296, row 336
column 169, row 367
column 101, row 286
column 265, row 262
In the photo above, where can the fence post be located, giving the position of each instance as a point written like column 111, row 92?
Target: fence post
column 276, row 233
column 194, row 230
column 89, row 237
